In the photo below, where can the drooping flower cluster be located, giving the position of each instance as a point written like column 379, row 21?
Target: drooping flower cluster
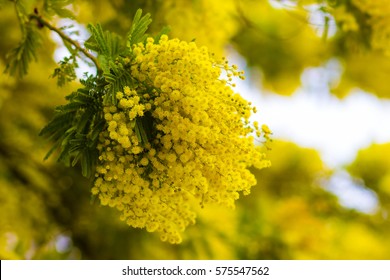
column 180, row 135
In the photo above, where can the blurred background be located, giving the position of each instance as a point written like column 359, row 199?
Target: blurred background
column 317, row 72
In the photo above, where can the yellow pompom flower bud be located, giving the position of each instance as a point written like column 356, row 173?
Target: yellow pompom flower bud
column 180, row 135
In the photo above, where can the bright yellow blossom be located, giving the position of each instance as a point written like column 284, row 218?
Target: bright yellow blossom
column 190, row 145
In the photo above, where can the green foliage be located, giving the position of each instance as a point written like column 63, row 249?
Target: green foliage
column 19, row 58
column 66, row 72
column 58, row 7
column 108, row 47
column 76, row 126
column 116, row 79
column 139, row 27
column 111, row 51
column 106, row 44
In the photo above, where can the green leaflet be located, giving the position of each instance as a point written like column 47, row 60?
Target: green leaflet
column 107, row 45
column 19, row 58
column 138, row 29
column 116, row 79
column 76, row 126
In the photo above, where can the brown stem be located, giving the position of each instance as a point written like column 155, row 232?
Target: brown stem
column 66, row 38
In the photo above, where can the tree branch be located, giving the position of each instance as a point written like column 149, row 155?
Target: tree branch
column 66, row 38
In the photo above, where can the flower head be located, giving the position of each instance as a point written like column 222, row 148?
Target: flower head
column 179, row 136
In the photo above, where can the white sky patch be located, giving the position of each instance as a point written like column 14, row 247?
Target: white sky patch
column 319, row 20
column 314, row 118
column 351, row 194
column 81, row 36
column 337, row 128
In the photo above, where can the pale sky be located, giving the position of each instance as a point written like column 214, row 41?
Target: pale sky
column 337, row 128
column 314, row 118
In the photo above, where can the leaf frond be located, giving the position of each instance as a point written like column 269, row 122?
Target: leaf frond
column 76, row 126
column 107, row 44
column 116, row 79
column 138, row 28
column 19, row 58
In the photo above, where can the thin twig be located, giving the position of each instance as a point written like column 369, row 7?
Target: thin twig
column 67, row 39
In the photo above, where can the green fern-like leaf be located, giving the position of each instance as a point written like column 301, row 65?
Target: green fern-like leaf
column 61, row 122
column 108, row 45
column 19, row 58
column 97, row 42
column 116, row 79
column 138, row 29
column 76, row 126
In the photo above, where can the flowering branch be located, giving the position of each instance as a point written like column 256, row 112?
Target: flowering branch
column 66, row 38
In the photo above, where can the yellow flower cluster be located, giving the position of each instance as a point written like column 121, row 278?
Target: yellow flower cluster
column 180, row 136
column 378, row 11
